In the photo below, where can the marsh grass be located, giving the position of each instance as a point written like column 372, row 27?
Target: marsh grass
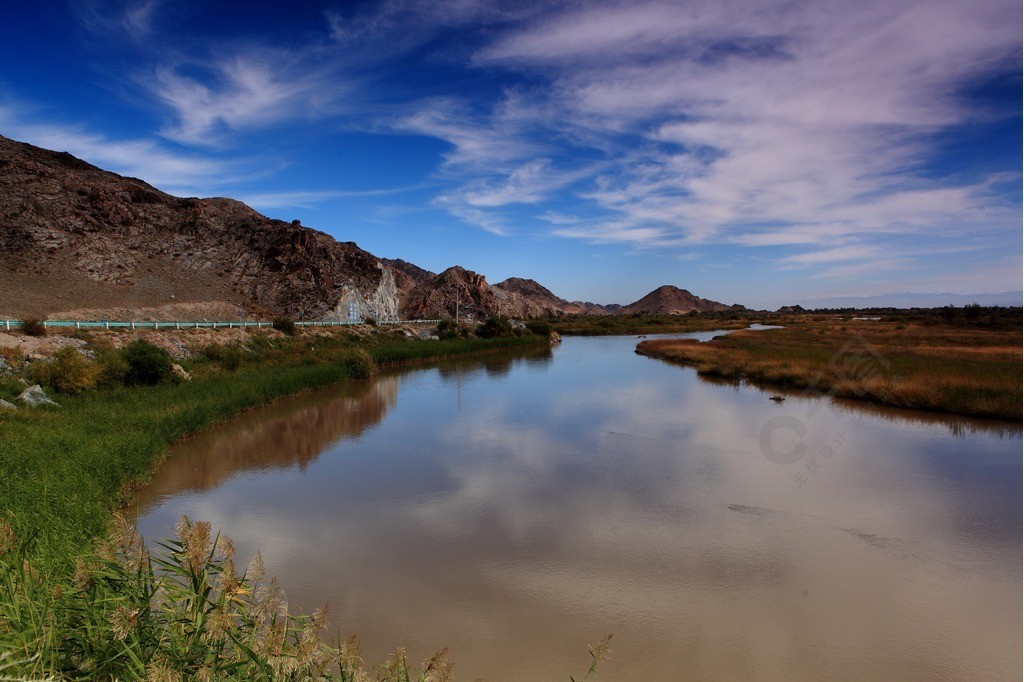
column 396, row 352
column 185, row 612
column 610, row 325
column 970, row 372
column 63, row 471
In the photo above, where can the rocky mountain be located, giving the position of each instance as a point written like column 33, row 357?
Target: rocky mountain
column 79, row 242
column 465, row 293
column 537, row 300
column 407, row 277
column 76, row 237
column 670, row 300
column 456, row 293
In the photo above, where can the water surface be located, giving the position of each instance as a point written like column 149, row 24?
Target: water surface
column 517, row 507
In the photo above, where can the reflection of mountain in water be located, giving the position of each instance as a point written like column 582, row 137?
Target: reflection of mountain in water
column 494, row 364
column 282, row 435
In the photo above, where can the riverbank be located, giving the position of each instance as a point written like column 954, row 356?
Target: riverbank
column 618, row 325
column 938, row 367
column 64, row 470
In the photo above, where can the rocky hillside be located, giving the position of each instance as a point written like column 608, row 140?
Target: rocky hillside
column 457, row 290
column 456, row 293
column 79, row 242
column 670, row 300
column 407, row 277
column 538, row 301
column 76, row 237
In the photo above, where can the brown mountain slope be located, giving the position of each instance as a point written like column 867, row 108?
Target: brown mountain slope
column 670, row 300
column 456, row 293
column 73, row 236
column 78, row 242
column 537, row 300
column 407, row 277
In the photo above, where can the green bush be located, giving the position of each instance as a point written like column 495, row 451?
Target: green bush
column 449, row 329
column 148, row 364
column 370, row 321
column 232, row 358
column 495, row 327
column 539, row 328
column 229, row 357
column 10, row 387
column 360, row 364
column 285, row 325
column 33, row 326
column 113, row 367
column 69, row 372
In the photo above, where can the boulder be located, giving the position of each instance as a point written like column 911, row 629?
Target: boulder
column 4, row 405
column 4, row 367
column 35, row 396
column 180, row 374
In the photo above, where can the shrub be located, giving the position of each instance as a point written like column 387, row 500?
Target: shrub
column 148, row 364
column 370, row 321
column 539, row 327
column 10, row 387
column 360, row 364
column 182, row 612
column 69, row 372
column 33, row 326
column 285, row 325
column 494, row 327
column 113, row 367
column 232, row 358
column 449, row 329
column 228, row 357
column 10, row 358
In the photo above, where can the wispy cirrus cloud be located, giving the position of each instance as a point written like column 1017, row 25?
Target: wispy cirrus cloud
column 759, row 124
column 311, row 198
column 176, row 172
column 805, row 134
column 112, row 19
column 244, row 91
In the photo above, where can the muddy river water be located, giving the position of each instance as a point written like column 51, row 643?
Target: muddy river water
column 517, row 507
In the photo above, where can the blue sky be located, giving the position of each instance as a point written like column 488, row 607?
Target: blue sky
column 760, row 152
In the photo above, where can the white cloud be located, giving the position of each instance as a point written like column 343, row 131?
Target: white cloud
column 139, row 18
column 308, row 198
column 759, row 123
column 173, row 172
column 245, row 91
column 838, row 254
column 112, row 19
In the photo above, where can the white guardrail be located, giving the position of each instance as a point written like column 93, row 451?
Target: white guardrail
column 260, row 324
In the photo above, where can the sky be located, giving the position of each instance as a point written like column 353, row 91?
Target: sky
column 763, row 152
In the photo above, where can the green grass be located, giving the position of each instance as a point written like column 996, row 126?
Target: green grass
column 64, row 470
column 396, row 352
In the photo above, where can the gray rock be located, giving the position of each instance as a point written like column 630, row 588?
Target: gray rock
column 35, row 396
column 180, row 374
column 4, row 367
column 4, row 405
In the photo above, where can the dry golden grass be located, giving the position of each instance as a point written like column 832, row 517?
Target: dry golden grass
column 973, row 372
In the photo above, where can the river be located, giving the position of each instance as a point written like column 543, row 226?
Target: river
column 517, row 507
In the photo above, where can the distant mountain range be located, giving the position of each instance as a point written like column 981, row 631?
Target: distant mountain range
column 916, row 300
column 78, row 241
